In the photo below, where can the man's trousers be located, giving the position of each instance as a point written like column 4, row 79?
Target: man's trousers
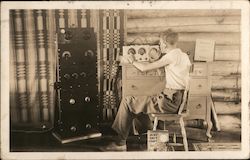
column 132, row 106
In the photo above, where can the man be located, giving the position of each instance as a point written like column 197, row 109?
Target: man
column 177, row 65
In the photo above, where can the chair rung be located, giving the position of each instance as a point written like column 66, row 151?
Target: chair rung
column 163, row 114
column 176, row 144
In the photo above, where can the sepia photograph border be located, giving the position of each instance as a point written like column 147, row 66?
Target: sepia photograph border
column 5, row 109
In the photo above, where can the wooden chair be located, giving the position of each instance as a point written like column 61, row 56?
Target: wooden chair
column 175, row 117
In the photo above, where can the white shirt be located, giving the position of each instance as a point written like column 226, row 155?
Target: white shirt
column 177, row 70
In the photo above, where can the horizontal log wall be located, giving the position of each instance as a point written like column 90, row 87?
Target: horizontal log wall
column 223, row 26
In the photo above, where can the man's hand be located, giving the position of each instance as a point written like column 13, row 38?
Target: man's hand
column 131, row 58
column 162, row 45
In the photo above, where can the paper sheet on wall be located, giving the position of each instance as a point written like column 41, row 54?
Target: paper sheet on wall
column 204, row 50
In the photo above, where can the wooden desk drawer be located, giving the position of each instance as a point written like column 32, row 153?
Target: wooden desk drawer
column 199, row 86
column 143, row 87
column 199, row 69
column 197, row 105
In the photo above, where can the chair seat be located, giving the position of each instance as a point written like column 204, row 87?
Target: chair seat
column 165, row 116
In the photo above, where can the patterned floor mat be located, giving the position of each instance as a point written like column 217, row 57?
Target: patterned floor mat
column 217, row 146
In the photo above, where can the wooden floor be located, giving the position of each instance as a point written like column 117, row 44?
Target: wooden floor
column 45, row 142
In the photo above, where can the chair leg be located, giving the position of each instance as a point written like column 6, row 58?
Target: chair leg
column 184, row 136
column 155, row 123
column 174, row 138
column 135, row 131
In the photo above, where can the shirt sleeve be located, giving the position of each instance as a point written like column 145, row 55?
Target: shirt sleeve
column 166, row 59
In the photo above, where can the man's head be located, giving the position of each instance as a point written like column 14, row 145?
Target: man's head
column 170, row 37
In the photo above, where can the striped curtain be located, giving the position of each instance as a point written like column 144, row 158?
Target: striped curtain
column 111, row 38
column 32, row 67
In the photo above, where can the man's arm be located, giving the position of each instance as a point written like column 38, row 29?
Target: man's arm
column 149, row 66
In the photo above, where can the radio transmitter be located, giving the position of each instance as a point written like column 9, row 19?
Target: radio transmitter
column 77, row 112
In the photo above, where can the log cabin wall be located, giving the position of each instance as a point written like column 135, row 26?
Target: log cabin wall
column 223, row 26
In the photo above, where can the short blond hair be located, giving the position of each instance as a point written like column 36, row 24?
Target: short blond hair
column 170, row 36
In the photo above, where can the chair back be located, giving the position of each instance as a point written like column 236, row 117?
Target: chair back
column 184, row 98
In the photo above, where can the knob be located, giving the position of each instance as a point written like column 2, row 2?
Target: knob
column 66, row 55
column 62, row 31
column 141, row 51
column 72, row 101
column 199, row 85
column 68, row 35
column 73, row 128
column 198, row 106
column 160, row 97
column 44, row 126
column 67, row 76
column 89, row 53
column 88, row 126
column 75, row 75
column 131, row 51
column 86, row 35
column 87, row 99
column 83, row 74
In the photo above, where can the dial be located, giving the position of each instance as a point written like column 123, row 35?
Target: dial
column 89, row 53
column 67, row 76
column 68, row 35
column 66, row 55
column 142, row 51
column 86, row 35
column 75, row 75
column 154, row 54
column 131, row 51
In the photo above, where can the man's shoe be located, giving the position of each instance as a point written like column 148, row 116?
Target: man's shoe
column 114, row 147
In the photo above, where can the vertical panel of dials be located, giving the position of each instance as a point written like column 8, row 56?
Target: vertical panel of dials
column 77, row 78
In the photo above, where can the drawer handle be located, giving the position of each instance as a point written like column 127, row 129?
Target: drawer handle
column 133, row 86
column 198, row 106
column 199, row 85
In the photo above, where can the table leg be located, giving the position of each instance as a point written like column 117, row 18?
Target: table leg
column 217, row 124
column 208, row 118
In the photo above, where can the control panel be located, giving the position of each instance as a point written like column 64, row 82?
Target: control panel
column 77, row 84
column 143, row 53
